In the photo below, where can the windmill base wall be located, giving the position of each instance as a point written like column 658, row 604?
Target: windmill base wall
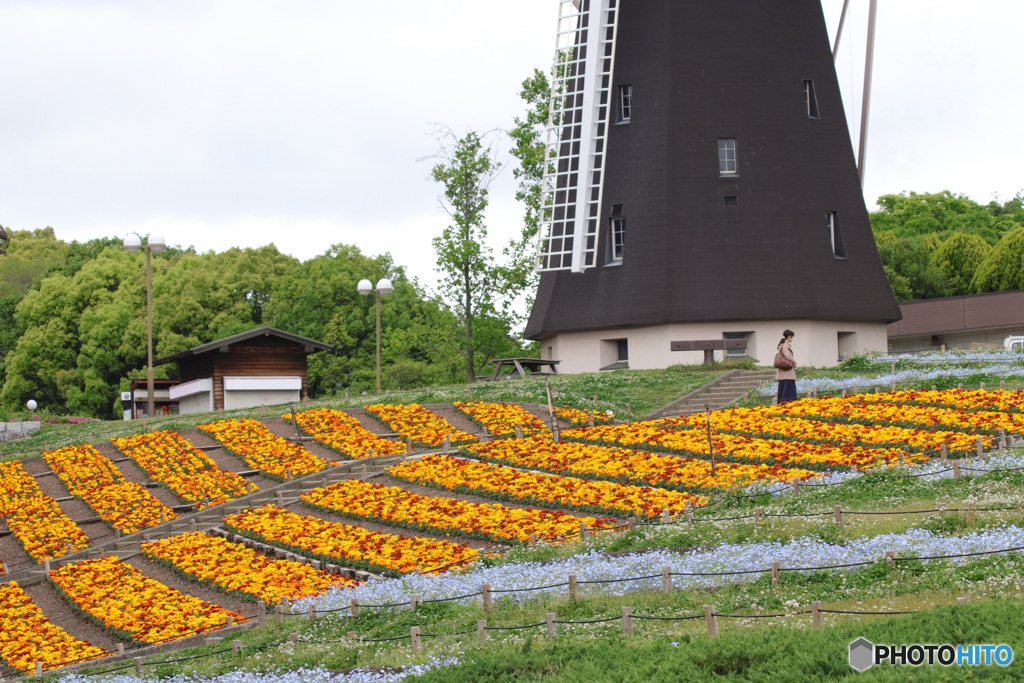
column 817, row 343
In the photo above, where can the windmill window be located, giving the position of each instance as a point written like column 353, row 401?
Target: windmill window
column 625, row 103
column 618, row 239
column 727, row 156
column 810, row 100
column 835, row 234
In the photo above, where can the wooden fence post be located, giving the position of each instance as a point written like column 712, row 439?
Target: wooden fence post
column 943, row 455
column 980, row 447
column 839, row 516
column 261, row 613
column 816, row 613
column 312, row 613
column 757, row 515
column 627, row 621
column 481, row 630
column 665, row 516
column 584, row 532
column 414, row 638
column 355, row 607
column 956, row 469
column 236, row 645
column 278, row 614
column 890, row 558
column 666, row 580
column 485, row 589
column 709, row 618
column 413, row 601
column 796, row 486
column 138, row 665
column 552, row 626
column 573, row 588
column 775, row 573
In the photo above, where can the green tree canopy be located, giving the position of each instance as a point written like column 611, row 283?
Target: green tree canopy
column 958, row 258
column 1003, row 267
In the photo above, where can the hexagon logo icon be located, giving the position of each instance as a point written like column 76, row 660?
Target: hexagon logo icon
column 862, row 654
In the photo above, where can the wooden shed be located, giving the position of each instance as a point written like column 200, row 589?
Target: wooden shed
column 264, row 366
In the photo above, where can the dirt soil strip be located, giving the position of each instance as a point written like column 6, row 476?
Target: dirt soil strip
column 137, row 475
column 224, row 460
column 456, row 418
column 370, row 424
column 61, row 613
column 169, row 577
column 287, row 431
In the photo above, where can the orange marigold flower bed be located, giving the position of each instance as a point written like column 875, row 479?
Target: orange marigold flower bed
column 419, row 424
column 959, row 399
column 135, row 607
column 262, row 450
column 629, row 466
column 237, row 570
column 508, row 483
column 96, row 480
column 16, row 486
column 183, row 468
column 343, row 434
column 501, row 419
column 396, row 506
column 27, row 636
column 581, row 418
column 739, row 448
column 756, row 422
column 350, row 545
column 44, row 531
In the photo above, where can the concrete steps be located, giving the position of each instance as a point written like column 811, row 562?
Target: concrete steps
column 717, row 394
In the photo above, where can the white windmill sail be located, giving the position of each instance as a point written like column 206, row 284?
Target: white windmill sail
column 577, row 126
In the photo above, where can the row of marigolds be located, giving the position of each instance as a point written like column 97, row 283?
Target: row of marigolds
column 124, row 505
column 36, row 520
column 183, row 468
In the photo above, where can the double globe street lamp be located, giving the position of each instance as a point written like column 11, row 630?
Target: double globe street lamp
column 154, row 245
column 383, row 288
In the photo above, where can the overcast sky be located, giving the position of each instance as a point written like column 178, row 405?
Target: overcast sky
column 305, row 123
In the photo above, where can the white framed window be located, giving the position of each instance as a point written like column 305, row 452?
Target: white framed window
column 835, row 235
column 736, row 353
column 810, row 100
column 727, row 156
column 618, row 239
column 625, row 103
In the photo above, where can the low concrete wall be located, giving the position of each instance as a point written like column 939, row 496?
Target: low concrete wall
column 9, row 431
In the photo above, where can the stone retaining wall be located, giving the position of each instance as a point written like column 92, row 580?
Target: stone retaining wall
column 9, row 431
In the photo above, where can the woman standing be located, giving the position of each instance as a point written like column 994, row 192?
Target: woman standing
column 785, row 368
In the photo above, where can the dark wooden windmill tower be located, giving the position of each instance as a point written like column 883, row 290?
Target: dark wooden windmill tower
column 703, row 186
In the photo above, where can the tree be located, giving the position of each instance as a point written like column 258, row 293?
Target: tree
column 464, row 260
column 907, row 263
column 529, row 147
column 1003, row 267
column 958, row 259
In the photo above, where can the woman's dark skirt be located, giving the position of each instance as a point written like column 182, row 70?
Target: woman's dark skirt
column 787, row 390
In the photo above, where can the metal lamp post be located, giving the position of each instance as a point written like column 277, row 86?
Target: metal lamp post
column 383, row 289
column 154, row 245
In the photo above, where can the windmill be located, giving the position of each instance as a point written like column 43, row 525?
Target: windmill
column 712, row 133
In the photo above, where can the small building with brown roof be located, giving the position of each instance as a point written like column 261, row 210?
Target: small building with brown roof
column 957, row 322
column 264, row 366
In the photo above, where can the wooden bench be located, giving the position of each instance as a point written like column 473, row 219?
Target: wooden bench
column 709, row 346
column 519, row 367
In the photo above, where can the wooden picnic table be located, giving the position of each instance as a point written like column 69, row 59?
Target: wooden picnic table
column 521, row 365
